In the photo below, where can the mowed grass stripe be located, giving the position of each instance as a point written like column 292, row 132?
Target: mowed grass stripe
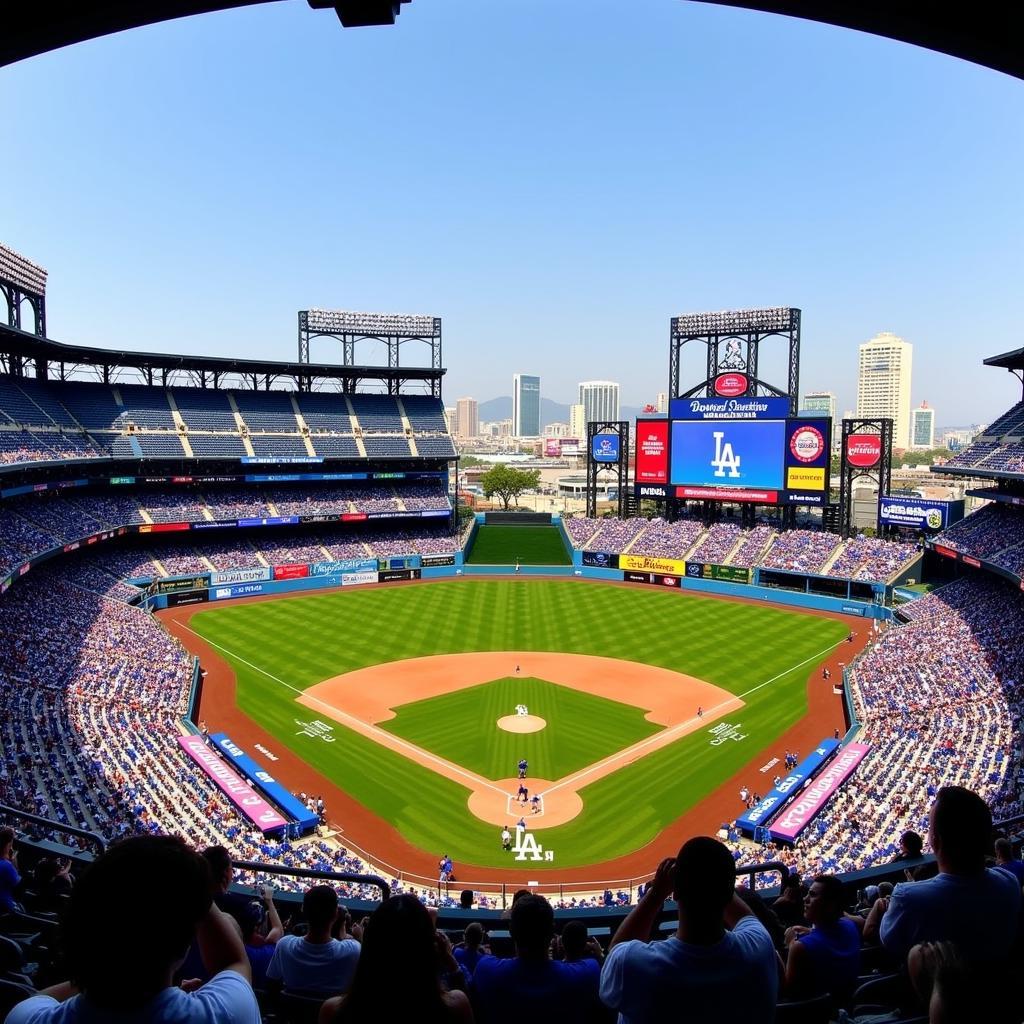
column 736, row 646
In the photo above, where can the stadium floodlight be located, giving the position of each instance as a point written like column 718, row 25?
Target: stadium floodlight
column 734, row 321
column 340, row 321
column 15, row 269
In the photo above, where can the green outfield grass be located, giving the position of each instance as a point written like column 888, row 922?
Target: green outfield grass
column 528, row 545
column 581, row 728
column 764, row 654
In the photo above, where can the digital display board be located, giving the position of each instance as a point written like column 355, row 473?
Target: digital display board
column 651, row 452
column 605, row 448
column 710, row 453
column 764, row 461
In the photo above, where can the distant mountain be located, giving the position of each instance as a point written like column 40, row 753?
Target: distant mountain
column 497, row 409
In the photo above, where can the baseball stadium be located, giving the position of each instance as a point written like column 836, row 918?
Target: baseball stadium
column 243, row 603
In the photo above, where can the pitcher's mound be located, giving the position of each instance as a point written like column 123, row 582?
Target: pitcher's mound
column 521, row 723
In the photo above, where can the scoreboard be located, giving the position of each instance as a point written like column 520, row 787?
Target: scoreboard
column 737, row 449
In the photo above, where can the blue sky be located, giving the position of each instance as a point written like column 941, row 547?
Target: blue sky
column 555, row 180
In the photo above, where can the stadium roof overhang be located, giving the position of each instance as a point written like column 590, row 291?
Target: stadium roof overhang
column 987, row 32
column 155, row 366
column 1008, row 360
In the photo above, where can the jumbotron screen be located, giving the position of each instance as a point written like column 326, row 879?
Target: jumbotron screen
column 767, row 461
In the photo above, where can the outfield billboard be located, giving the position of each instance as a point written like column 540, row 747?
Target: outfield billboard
column 600, row 559
column 716, row 454
column 709, row 571
column 919, row 513
column 724, row 408
column 656, row 579
column 230, row 576
column 651, row 452
column 606, row 448
column 649, row 563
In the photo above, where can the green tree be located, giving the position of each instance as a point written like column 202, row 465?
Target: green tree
column 508, row 483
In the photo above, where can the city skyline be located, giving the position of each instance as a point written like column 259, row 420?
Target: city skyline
column 196, row 218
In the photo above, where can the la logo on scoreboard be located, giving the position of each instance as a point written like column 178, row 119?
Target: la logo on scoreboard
column 725, row 458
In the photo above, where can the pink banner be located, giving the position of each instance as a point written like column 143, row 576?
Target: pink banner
column 795, row 818
column 239, row 792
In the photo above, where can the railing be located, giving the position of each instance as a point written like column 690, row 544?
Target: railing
column 322, row 876
column 91, row 837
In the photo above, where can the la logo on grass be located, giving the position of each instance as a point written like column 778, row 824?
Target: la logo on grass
column 527, row 844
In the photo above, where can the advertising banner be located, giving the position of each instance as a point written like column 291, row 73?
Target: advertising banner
column 192, row 597
column 237, row 590
column 290, row 572
column 651, row 491
column 163, row 527
column 346, row 565
column 229, row 576
column 606, row 448
column 187, row 583
column 726, row 573
column 600, row 559
column 919, row 513
column 724, row 408
column 256, row 460
column 651, row 452
column 730, row 385
column 437, row 560
column 270, row 521
column 265, row 782
column 647, row 563
column 863, row 450
column 552, row 447
column 741, row 454
column 354, row 579
column 944, row 551
column 393, row 575
column 651, row 578
column 236, row 789
column 772, row 804
column 728, row 494
column 808, row 446
column 797, row 816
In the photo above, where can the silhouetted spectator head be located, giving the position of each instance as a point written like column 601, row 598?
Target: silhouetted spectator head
column 6, row 842
column 466, row 899
column 320, row 907
column 574, row 940
column 960, row 830
column 473, row 936
column 885, row 888
column 220, row 867
column 705, row 878
column 531, row 926
column 120, row 951
column 249, row 916
column 1004, row 851
column 911, row 844
column 397, row 972
column 823, row 904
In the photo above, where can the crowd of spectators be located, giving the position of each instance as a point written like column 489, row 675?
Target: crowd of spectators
column 801, row 551
column 810, row 551
column 986, row 532
column 941, row 702
column 870, row 558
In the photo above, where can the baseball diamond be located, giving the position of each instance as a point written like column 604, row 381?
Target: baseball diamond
column 392, row 696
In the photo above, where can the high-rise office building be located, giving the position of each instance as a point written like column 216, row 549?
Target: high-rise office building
column 662, row 405
column 525, row 405
column 883, row 383
column 922, row 427
column 577, row 423
column 600, row 400
column 821, row 402
column 451, row 417
column 467, row 413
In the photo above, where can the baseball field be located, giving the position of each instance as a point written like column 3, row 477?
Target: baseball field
column 631, row 704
